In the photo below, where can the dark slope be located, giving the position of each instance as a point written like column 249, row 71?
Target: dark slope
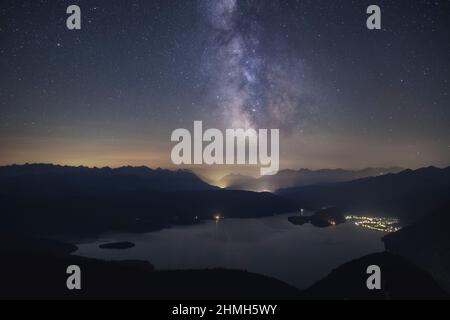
column 408, row 194
column 33, row 276
column 36, row 272
column 427, row 244
column 32, row 268
column 400, row 280
column 16, row 243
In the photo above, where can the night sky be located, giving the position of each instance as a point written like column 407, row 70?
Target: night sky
column 111, row 93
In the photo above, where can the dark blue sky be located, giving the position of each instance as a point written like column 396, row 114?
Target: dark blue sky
column 112, row 93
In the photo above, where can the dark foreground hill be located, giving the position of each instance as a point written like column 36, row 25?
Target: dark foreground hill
column 400, row 280
column 36, row 269
column 427, row 244
column 33, row 268
column 46, row 279
column 407, row 195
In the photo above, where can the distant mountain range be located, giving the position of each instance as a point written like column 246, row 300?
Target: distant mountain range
column 46, row 199
column 298, row 178
column 409, row 194
column 54, row 180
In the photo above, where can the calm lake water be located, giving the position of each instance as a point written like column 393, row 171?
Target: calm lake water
column 298, row 255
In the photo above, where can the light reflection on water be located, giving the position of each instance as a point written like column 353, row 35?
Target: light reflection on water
column 298, row 255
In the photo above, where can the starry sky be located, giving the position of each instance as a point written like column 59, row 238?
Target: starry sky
column 111, row 93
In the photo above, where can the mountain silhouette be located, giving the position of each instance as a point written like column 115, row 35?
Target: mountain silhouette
column 296, row 178
column 400, row 280
column 409, row 194
column 426, row 243
column 132, row 279
column 49, row 179
column 46, row 199
column 129, row 279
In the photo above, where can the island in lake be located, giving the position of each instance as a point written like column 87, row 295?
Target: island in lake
column 322, row 218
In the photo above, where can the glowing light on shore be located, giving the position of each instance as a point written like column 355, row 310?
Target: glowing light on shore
column 382, row 224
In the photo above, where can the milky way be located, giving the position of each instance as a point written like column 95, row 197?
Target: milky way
column 113, row 92
column 254, row 83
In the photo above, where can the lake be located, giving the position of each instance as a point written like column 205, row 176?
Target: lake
column 298, row 255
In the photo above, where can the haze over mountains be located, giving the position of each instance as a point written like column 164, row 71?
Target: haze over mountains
column 298, row 178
